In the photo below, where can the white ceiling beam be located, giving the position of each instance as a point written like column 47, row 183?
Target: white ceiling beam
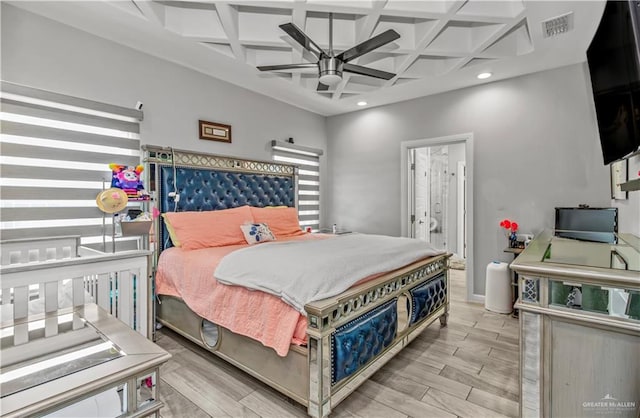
column 248, row 43
column 455, row 6
column 289, row 43
column 364, row 30
column 154, row 12
column 228, row 16
column 416, row 14
column 490, row 40
column 213, row 39
column 425, row 41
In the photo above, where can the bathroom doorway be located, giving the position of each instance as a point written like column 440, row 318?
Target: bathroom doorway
column 436, row 173
column 437, row 197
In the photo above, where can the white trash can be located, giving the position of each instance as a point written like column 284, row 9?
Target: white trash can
column 497, row 296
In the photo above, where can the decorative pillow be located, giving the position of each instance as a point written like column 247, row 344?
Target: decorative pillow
column 282, row 221
column 215, row 228
column 257, row 233
column 171, row 231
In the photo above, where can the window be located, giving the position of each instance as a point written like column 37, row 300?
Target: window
column 308, row 162
column 56, row 151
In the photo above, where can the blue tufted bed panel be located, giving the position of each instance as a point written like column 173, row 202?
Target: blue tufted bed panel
column 428, row 297
column 203, row 189
column 357, row 342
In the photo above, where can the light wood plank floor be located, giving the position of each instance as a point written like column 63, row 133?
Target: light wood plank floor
column 468, row 369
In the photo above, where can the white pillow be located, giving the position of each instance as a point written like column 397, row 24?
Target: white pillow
column 257, row 233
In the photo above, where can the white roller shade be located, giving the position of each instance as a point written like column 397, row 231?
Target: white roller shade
column 308, row 161
column 54, row 161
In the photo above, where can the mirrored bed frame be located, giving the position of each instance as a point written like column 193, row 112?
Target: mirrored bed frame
column 350, row 336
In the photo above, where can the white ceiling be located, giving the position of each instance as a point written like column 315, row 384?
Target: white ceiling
column 443, row 45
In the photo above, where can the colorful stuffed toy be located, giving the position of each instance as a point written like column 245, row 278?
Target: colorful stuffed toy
column 128, row 179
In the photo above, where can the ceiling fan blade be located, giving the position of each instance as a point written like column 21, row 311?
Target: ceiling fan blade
column 285, row 67
column 369, row 45
column 300, row 37
column 359, row 69
column 322, row 87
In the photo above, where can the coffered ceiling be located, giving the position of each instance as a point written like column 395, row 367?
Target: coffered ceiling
column 443, row 45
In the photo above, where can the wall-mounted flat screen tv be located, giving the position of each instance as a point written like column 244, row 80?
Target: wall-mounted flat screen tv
column 587, row 224
column 614, row 65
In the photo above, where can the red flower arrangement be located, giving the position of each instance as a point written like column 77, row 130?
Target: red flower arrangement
column 510, row 228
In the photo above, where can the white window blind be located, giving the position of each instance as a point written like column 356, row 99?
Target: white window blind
column 55, row 155
column 308, row 162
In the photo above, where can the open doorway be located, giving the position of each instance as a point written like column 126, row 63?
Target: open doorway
column 437, row 208
column 437, row 190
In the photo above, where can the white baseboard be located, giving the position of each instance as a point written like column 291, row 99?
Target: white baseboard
column 475, row 298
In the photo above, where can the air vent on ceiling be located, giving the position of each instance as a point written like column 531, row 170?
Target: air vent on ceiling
column 557, row 25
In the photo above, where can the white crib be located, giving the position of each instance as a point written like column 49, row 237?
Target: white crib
column 41, row 276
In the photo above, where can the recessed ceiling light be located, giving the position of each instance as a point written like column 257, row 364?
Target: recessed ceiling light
column 362, row 103
column 482, row 76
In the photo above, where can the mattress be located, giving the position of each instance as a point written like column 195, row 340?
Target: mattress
column 188, row 274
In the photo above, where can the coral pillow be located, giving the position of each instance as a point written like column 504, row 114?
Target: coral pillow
column 216, row 228
column 282, row 221
column 171, row 231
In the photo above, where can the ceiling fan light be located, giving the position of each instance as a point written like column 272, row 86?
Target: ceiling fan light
column 330, row 79
column 330, row 71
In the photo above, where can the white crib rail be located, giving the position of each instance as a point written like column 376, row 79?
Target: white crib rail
column 119, row 283
column 30, row 250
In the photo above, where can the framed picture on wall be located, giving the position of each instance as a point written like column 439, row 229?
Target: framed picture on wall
column 619, row 174
column 214, row 131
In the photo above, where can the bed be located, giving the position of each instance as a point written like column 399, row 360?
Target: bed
column 345, row 338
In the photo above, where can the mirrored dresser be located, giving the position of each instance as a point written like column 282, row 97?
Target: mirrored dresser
column 78, row 362
column 579, row 327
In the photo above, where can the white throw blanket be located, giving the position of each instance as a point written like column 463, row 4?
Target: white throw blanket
column 300, row 272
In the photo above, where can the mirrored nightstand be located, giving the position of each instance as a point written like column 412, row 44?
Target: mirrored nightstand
column 79, row 361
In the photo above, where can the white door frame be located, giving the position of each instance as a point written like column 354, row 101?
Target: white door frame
column 467, row 140
column 461, row 209
column 411, row 188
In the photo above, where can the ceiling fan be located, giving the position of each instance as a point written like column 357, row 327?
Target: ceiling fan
column 329, row 65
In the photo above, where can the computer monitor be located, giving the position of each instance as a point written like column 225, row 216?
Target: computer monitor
column 587, row 224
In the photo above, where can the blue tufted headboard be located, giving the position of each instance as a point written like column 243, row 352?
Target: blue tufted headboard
column 208, row 182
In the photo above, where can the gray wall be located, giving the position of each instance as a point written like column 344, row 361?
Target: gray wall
column 629, row 209
column 536, row 147
column 46, row 54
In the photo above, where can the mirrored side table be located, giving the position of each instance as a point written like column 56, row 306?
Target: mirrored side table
column 78, row 362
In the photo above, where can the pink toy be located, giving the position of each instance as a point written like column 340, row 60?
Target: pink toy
column 128, row 179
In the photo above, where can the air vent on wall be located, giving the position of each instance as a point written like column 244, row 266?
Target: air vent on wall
column 557, row 25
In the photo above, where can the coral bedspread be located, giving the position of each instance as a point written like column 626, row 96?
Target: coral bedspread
column 188, row 274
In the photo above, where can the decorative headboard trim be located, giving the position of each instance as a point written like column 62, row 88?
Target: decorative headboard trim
column 170, row 156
